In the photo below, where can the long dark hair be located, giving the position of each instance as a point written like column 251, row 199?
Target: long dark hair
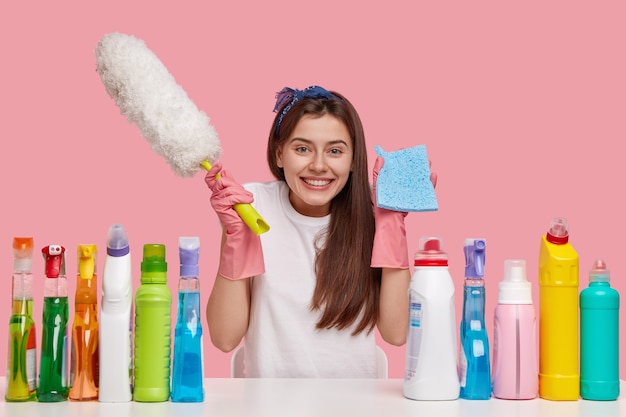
column 347, row 289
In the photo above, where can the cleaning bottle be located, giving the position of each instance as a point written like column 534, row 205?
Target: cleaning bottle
column 116, row 319
column 431, row 367
column 85, row 359
column 599, row 337
column 558, row 315
column 21, row 377
column 53, row 378
column 474, row 367
column 515, row 364
column 187, row 364
column 153, row 302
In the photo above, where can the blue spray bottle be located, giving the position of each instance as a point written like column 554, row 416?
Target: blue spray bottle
column 187, row 368
column 475, row 373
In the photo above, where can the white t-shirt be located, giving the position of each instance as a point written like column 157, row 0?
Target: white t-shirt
column 282, row 339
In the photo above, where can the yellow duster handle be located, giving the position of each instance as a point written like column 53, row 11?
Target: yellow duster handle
column 247, row 213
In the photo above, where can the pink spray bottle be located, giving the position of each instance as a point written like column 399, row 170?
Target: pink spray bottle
column 515, row 362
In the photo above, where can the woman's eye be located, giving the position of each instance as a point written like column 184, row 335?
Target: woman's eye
column 301, row 149
column 336, row 151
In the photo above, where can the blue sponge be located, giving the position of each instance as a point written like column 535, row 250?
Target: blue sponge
column 403, row 183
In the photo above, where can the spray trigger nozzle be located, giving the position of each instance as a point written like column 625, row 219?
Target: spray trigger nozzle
column 475, row 258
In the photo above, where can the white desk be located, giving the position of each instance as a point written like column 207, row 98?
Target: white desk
column 315, row 397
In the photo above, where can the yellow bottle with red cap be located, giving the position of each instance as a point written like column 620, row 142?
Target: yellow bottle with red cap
column 559, row 377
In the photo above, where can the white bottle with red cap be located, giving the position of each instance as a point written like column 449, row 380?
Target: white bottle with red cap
column 431, row 350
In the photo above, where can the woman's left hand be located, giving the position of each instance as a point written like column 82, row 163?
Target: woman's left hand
column 433, row 174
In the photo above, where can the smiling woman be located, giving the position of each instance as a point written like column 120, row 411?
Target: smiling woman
column 316, row 161
column 307, row 295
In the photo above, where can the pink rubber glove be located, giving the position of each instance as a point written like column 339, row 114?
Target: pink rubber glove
column 390, row 248
column 242, row 255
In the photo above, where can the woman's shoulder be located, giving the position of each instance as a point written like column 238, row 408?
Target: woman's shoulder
column 268, row 188
column 269, row 192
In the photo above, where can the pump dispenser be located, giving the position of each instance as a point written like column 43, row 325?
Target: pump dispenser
column 153, row 302
column 84, row 365
column 21, row 376
column 558, row 315
column 187, row 364
column 599, row 336
column 53, row 378
column 515, row 367
column 431, row 367
column 474, row 366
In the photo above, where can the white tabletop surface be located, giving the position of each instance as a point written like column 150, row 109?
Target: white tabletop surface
column 315, row 397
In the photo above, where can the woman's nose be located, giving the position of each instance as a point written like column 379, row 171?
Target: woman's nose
column 318, row 162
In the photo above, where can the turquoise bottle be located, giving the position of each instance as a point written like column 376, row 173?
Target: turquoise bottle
column 187, row 366
column 153, row 338
column 599, row 337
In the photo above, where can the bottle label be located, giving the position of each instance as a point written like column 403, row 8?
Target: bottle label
column 414, row 339
column 475, row 325
column 31, row 360
column 478, row 348
column 415, row 316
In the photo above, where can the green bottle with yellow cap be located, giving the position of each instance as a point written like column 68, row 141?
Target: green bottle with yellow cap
column 153, row 301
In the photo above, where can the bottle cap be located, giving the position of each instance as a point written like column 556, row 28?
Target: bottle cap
column 558, row 233
column 474, row 250
column 153, row 265
column 54, row 257
column 430, row 252
column 189, row 252
column 515, row 288
column 86, row 255
column 117, row 241
column 22, row 254
column 598, row 272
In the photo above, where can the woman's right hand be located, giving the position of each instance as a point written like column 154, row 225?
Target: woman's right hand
column 241, row 255
column 226, row 193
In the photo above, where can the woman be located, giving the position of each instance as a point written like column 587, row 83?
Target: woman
column 307, row 294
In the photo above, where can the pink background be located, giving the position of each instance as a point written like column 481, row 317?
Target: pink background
column 521, row 108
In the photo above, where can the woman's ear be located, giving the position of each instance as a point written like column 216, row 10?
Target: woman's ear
column 279, row 158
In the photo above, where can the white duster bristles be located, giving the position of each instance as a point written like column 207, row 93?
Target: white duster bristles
column 148, row 95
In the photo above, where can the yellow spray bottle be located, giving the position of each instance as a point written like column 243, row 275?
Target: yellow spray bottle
column 559, row 378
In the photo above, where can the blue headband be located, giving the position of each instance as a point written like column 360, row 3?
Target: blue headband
column 291, row 96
